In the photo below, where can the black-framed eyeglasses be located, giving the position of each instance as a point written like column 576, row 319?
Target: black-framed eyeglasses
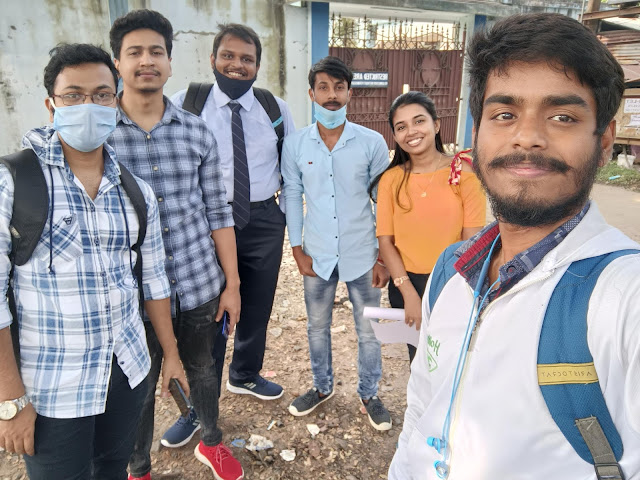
column 100, row 98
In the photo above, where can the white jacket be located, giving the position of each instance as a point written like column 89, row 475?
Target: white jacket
column 501, row 428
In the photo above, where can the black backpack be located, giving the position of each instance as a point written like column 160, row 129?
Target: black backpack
column 31, row 209
column 197, row 94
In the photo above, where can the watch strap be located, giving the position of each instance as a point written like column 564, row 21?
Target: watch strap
column 22, row 402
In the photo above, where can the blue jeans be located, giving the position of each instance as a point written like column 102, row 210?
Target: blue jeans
column 95, row 447
column 319, row 295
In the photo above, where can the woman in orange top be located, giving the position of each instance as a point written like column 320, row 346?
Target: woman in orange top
column 426, row 201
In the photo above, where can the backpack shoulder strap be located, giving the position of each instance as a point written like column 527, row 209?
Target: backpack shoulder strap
column 132, row 189
column 30, row 203
column 566, row 373
column 270, row 105
column 196, row 97
column 442, row 272
column 28, row 219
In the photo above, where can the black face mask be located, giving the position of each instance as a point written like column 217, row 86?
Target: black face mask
column 232, row 87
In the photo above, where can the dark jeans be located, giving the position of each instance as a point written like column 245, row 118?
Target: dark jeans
column 96, row 447
column 419, row 282
column 196, row 331
column 259, row 246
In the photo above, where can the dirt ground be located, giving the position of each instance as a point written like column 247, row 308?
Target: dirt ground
column 347, row 447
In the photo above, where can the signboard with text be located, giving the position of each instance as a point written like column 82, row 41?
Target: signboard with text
column 628, row 118
column 370, row 80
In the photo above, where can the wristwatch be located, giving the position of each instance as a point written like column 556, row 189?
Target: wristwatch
column 400, row 280
column 10, row 408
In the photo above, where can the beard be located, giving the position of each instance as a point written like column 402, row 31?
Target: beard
column 526, row 208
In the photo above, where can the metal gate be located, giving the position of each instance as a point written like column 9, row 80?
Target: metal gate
column 427, row 58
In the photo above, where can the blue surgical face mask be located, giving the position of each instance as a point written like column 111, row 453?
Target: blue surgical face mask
column 330, row 118
column 84, row 127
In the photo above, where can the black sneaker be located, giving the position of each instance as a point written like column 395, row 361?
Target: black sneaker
column 306, row 403
column 379, row 417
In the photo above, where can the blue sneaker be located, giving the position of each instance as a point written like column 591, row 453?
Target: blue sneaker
column 260, row 387
column 182, row 431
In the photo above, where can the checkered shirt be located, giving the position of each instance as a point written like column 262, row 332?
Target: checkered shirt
column 74, row 317
column 473, row 252
column 179, row 159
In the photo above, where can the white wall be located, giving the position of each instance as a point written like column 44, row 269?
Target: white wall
column 30, row 28
column 195, row 25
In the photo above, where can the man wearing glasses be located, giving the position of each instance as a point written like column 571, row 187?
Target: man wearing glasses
column 72, row 402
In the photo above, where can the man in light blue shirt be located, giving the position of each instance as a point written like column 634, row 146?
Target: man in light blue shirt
column 332, row 162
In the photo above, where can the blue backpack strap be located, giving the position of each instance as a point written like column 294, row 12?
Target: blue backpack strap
column 566, row 374
column 442, row 272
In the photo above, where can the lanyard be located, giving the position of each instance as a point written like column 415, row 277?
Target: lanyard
column 442, row 444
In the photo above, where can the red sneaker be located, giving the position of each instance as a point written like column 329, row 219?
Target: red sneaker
column 146, row 477
column 220, row 460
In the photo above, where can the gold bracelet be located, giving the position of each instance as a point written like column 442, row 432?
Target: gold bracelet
column 400, row 280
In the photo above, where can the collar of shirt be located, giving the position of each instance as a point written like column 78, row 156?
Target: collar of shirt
column 222, row 99
column 171, row 113
column 347, row 134
column 472, row 254
column 46, row 145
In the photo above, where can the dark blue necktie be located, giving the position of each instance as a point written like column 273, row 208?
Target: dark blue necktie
column 241, row 189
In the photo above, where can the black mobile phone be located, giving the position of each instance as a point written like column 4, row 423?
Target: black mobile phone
column 182, row 401
column 225, row 325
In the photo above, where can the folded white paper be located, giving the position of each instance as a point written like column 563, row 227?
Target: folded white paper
column 394, row 331
column 384, row 313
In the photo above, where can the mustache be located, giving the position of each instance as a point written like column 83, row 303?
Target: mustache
column 331, row 104
column 533, row 159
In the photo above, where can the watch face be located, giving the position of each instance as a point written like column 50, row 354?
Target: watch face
column 8, row 410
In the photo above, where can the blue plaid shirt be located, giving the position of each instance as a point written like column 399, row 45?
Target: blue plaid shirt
column 473, row 253
column 75, row 317
column 179, row 159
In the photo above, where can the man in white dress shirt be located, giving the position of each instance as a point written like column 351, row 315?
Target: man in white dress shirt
column 235, row 61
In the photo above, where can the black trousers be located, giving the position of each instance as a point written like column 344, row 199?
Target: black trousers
column 419, row 282
column 95, row 447
column 197, row 333
column 259, row 246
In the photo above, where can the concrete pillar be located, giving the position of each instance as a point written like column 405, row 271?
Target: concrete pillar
column 479, row 23
column 319, row 20
column 319, row 31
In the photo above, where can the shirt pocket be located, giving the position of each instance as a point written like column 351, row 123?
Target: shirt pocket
column 63, row 243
